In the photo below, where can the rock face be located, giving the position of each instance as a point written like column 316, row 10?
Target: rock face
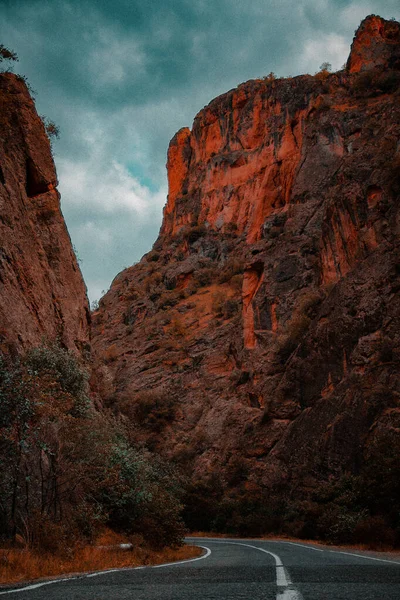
column 42, row 293
column 265, row 322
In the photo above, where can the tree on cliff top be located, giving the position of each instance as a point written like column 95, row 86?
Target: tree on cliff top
column 6, row 54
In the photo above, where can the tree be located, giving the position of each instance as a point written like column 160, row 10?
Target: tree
column 326, row 67
column 66, row 468
column 7, row 55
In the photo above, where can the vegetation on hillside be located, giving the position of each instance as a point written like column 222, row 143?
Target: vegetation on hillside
column 68, row 470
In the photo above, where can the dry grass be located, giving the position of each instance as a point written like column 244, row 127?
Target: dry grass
column 22, row 565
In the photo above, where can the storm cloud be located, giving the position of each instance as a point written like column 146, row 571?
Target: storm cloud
column 120, row 78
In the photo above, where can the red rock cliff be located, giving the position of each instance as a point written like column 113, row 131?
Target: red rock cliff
column 42, row 294
column 265, row 322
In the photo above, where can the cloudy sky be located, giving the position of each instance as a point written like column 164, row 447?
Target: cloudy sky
column 120, row 77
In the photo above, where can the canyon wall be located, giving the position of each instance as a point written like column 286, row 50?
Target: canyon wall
column 264, row 324
column 42, row 293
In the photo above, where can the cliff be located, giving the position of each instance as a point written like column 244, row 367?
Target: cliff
column 259, row 339
column 42, row 293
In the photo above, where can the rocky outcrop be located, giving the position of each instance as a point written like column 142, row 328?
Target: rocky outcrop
column 42, row 293
column 264, row 324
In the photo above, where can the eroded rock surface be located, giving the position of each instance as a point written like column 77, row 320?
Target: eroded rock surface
column 42, row 293
column 264, row 323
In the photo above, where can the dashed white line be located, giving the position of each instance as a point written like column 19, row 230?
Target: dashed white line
column 286, row 589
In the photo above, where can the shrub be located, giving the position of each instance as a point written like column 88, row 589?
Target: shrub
column 152, row 282
column 144, row 497
column 169, row 298
column 388, row 81
column 270, row 77
column 52, row 130
column 218, row 301
column 230, row 308
column 232, row 267
column 362, row 82
column 194, row 233
column 236, row 282
column 111, row 353
column 203, row 277
column 154, row 409
column 153, row 256
column 375, row 532
column 298, row 325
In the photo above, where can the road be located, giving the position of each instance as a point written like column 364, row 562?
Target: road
column 238, row 569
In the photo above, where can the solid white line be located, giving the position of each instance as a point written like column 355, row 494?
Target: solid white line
column 106, row 572
column 181, row 562
column 392, row 562
column 302, row 546
column 287, row 591
column 36, row 585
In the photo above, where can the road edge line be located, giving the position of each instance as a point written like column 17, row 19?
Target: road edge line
column 302, row 546
column 181, row 562
column 105, row 572
column 386, row 560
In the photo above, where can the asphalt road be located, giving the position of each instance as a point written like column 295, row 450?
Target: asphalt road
column 238, row 569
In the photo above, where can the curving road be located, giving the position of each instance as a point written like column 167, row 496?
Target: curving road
column 237, row 569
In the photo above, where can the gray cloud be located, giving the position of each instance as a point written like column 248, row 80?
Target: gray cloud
column 120, row 78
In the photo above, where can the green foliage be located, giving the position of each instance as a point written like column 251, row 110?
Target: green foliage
column 63, row 368
column 143, row 498
column 66, row 469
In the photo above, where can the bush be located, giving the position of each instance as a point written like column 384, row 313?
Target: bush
column 194, row 233
column 204, row 276
column 153, row 256
column 232, row 267
column 52, row 130
column 230, row 308
column 153, row 409
column 388, row 81
column 144, row 497
column 375, row 532
column 63, row 368
column 298, row 325
column 217, row 304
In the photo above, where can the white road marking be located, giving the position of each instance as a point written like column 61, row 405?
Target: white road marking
column 302, row 546
column 387, row 560
column 180, row 562
column 36, row 585
column 106, row 572
column 286, row 589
